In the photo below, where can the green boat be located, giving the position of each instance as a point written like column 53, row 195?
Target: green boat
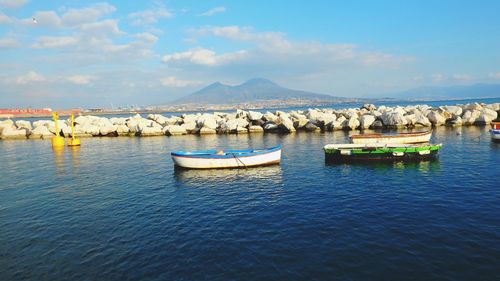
column 380, row 152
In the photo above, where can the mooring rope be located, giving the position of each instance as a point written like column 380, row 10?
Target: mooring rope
column 238, row 159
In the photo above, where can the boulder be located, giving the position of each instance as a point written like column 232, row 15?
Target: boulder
column 190, row 126
column 237, row 125
column 254, row 115
column 454, row 122
column 470, row 116
column 270, row 126
column 154, row 130
column 255, row 129
column 377, row 124
column 11, row 132
column 21, row 124
column 436, row 118
column 207, row 121
column 310, row 127
column 486, row 116
column 473, row 106
column 118, row 121
column 352, row 123
column 41, row 132
column 394, row 119
column 453, row 110
column 369, row 107
column 421, row 120
column 270, row 117
column 122, row 130
column 207, row 131
column 174, row 130
column 286, row 124
column 366, row 121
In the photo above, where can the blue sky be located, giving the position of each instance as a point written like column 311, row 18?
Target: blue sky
column 86, row 54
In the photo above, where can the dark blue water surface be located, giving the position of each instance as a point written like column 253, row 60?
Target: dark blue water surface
column 115, row 209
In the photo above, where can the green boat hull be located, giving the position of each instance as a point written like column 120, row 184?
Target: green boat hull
column 414, row 153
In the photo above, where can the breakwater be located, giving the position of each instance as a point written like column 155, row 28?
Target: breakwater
column 242, row 121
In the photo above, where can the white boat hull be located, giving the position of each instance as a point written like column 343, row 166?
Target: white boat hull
column 234, row 162
column 394, row 139
column 495, row 135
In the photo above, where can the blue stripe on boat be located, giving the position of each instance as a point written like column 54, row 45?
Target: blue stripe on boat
column 227, row 153
column 495, row 132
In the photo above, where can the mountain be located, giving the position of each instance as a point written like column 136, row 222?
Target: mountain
column 451, row 92
column 253, row 90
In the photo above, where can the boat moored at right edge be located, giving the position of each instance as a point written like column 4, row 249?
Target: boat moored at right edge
column 495, row 131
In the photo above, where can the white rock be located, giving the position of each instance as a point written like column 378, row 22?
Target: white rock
column 421, row 120
column 207, row 131
column 190, row 126
column 453, row 110
column 122, row 130
column 237, row 125
column 254, row 115
column 207, row 121
column 21, row 124
column 469, row 117
column 310, row 127
column 255, row 129
column 473, row 106
column 155, row 130
column 174, row 130
column 11, row 132
column 352, row 123
column 436, row 118
column 270, row 126
column 393, row 119
column 41, row 132
column 286, row 124
column 367, row 120
column 270, row 117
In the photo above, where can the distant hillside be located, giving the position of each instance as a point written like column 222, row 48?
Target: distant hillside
column 451, row 92
column 254, row 90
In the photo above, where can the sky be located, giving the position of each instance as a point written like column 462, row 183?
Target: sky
column 63, row 54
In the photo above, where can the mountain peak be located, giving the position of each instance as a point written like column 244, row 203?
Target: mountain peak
column 253, row 90
column 259, row 81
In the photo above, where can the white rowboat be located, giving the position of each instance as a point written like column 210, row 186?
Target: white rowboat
column 213, row 159
column 402, row 138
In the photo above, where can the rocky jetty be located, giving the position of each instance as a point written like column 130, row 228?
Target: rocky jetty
column 312, row 120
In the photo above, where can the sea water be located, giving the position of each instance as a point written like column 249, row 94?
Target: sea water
column 116, row 209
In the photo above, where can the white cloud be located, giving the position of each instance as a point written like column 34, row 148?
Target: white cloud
column 437, row 77
column 44, row 42
column 102, row 28
column 147, row 37
column 149, row 17
column 80, row 79
column 275, row 46
column 494, row 75
column 7, row 43
column 43, row 19
column 29, row 77
column 13, row 4
column 75, row 17
column 213, row 11
column 461, row 77
column 202, row 56
column 171, row 81
column 4, row 19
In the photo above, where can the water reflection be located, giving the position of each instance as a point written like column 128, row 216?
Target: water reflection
column 272, row 173
column 75, row 157
column 424, row 166
column 59, row 158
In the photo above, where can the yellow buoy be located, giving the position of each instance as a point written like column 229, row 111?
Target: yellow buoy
column 73, row 141
column 57, row 141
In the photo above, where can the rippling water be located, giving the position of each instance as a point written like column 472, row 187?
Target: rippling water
column 117, row 209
